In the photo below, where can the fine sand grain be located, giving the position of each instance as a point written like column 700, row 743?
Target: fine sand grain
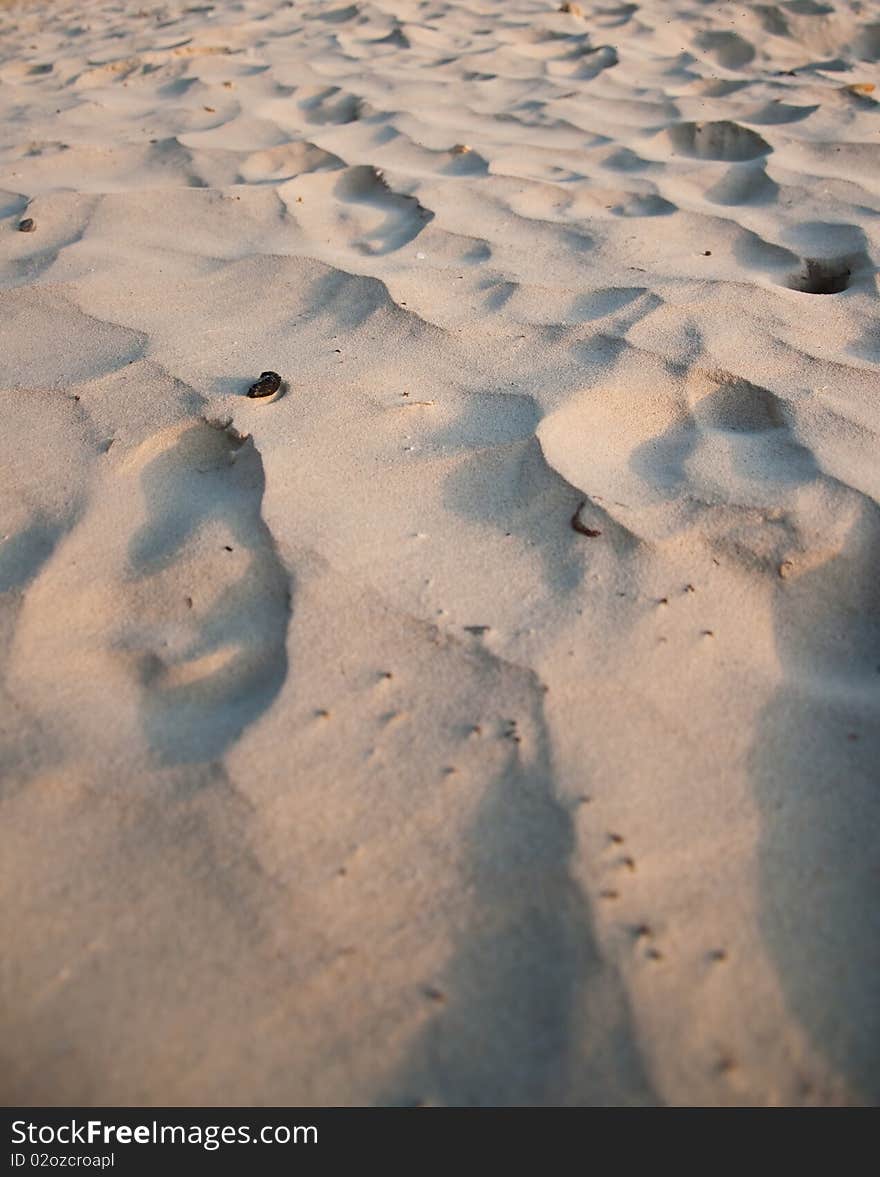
column 489, row 715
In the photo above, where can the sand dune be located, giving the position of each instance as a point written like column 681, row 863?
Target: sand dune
column 490, row 717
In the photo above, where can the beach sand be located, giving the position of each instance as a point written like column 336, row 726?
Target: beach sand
column 491, row 716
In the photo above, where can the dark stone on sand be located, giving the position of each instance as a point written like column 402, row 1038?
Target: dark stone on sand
column 267, row 385
column 580, row 527
column 27, row 225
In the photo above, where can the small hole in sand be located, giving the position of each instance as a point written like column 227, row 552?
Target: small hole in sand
column 821, row 277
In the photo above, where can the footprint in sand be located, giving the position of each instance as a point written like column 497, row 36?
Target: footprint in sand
column 208, row 679
column 707, row 448
column 331, row 106
column 729, row 50
column 833, row 257
column 723, row 140
column 171, row 636
column 356, row 207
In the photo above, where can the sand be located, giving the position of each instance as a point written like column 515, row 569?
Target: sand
column 491, row 717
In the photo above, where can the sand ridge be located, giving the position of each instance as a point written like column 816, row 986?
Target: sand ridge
column 340, row 767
